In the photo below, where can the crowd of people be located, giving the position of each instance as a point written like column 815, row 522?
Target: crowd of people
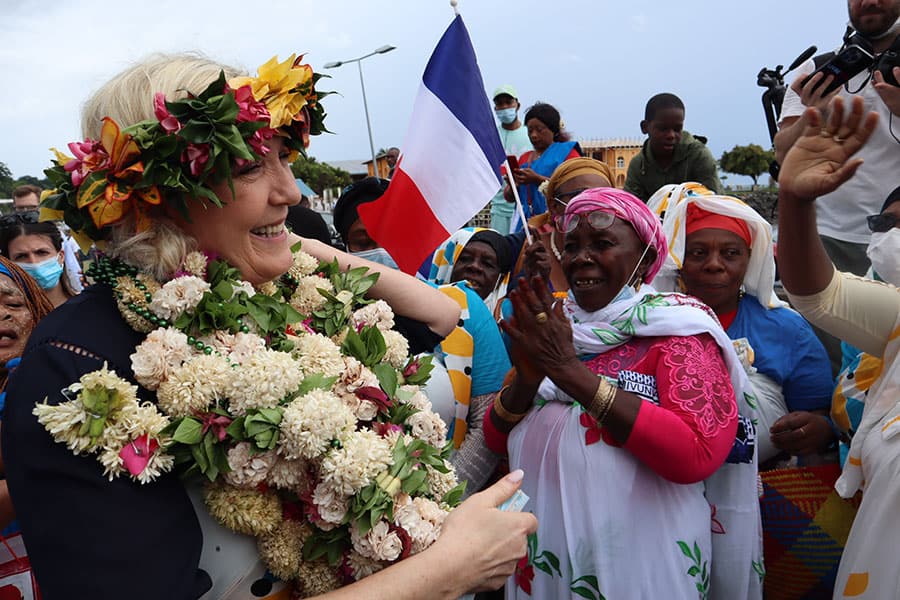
column 634, row 409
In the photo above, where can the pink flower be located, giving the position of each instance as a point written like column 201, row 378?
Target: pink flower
column 90, row 156
column 196, row 155
column 257, row 141
column 137, row 453
column 169, row 123
column 249, row 109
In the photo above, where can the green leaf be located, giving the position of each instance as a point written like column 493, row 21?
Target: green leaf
column 236, row 429
column 316, row 381
column 454, row 496
column 552, row 559
column 223, row 290
column 189, row 431
column 387, row 378
column 685, row 549
column 414, row 481
column 693, row 571
column 543, row 567
column 697, row 552
column 591, row 580
column 584, row 592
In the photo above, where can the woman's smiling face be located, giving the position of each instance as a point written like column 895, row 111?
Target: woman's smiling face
column 599, row 262
column 248, row 231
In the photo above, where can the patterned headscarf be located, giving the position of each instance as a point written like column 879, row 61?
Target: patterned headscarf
column 629, row 208
column 573, row 168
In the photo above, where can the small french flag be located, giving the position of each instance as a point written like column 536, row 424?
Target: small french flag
column 450, row 163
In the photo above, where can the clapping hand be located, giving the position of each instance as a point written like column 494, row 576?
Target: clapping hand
column 540, row 333
column 537, row 259
column 820, row 160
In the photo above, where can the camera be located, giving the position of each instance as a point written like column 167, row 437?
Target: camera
column 886, row 62
column 854, row 57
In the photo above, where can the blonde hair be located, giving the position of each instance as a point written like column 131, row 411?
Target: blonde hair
column 128, row 99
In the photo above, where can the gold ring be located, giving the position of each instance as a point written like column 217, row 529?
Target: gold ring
column 824, row 133
column 541, row 317
column 839, row 139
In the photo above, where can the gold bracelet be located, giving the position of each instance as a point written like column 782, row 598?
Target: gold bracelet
column 502, row 413
column 602, row 401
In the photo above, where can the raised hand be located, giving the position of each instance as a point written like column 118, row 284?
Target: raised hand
column 820, row 160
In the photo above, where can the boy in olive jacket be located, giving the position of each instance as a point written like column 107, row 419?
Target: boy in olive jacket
column 670, row 154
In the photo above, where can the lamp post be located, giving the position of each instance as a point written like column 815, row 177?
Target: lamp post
column 358, row 61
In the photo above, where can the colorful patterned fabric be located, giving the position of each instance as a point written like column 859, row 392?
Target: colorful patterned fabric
column 445, row 257
column 642, row 507
column 805, row 527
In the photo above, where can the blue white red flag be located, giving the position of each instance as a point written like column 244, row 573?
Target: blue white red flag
column 450, row 163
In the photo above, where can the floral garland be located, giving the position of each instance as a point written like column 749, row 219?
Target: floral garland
column 298, row 402
column 192, row 142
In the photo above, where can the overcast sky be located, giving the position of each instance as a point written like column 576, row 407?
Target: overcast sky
column 597, row 61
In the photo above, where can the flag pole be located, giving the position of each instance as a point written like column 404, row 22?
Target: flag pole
column 519, row 209
column 454, row 4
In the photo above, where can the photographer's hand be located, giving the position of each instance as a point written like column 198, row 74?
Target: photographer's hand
column 890, row 94
column 812, row 94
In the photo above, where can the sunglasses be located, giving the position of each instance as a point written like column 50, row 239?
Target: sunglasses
column 598, row 219
column 882, row 223
column 13, row 219
column 564, row 198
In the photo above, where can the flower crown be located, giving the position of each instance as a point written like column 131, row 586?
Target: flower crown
column 192, row 143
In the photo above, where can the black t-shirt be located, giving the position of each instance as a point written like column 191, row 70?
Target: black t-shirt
column 88, row 537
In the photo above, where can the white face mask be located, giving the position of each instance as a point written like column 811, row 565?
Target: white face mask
column 378, row 255
column 884, row 252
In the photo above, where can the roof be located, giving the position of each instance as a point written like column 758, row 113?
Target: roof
column 354, row 167
column 612, row 143
column 305, row 189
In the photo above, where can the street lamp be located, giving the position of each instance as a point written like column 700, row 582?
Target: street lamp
column 358, row 61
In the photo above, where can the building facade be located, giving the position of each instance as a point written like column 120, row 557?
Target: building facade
column 615, row 152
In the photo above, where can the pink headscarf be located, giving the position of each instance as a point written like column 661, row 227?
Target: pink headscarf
column 630, row 209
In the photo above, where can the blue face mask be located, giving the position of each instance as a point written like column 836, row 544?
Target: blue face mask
column 506, row 115
column 46, row 273
column 377, row 255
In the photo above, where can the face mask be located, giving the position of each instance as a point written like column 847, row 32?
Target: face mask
column 46, row 273
column 884, row 252
column 628, row 291
column 377, row 255
column 506, row 115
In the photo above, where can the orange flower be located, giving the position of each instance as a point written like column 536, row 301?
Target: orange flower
column 110, row 194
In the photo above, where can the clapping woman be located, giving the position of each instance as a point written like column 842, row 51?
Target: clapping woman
column 631, row 408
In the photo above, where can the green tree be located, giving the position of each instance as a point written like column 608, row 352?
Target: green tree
column 750, row 160
column 319, row 176
column 7, row 183
column 32, row 180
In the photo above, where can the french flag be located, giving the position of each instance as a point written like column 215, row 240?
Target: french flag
column 450, row 163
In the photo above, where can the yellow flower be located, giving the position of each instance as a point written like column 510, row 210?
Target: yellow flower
column 277, row 87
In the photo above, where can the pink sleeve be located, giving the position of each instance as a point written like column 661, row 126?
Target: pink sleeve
column 688, row 436
column 494, row 439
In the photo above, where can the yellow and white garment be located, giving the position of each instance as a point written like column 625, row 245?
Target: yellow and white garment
column 866, row 314
column 458, row 348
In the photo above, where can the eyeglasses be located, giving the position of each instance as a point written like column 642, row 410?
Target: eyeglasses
column 13, row 219
column 882, row 223
column 565, row 197
column 598, row 219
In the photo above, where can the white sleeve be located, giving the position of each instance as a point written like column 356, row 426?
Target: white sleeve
column 792, row 106
column 73, row 266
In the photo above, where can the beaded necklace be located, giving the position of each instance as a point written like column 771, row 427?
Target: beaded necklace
column 110, row 271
